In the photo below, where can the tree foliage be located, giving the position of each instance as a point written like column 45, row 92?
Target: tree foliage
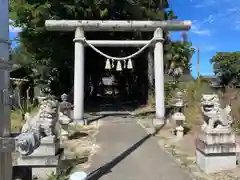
column 226, row 66
column 179, row 56
column 20, row 56
column 51, row 53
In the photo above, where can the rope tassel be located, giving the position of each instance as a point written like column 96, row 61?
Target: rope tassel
column 108, row 64
column 129, row 64
column 119, row 66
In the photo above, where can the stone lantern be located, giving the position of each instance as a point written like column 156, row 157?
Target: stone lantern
column 178, row 115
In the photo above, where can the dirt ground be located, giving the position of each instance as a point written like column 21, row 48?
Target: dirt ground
column 79, row 148
column 183, row 151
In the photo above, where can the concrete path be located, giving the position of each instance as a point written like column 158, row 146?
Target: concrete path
column 128, row 153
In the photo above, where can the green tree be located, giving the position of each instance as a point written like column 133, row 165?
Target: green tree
column 169, row 15
column 52, row 52
column 178, row 58
column 20, row 56
column 226, row 66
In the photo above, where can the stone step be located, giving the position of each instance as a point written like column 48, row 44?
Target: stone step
column 46, row 160
column 41, row 166
column 47, row 149
column 49, row 140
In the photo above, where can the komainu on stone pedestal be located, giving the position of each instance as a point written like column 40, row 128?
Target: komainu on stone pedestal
column 41, row 125
column 44, row 122
column 44, row 125
column 215, row 146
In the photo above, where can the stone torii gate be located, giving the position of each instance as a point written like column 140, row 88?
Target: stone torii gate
column 80, row 26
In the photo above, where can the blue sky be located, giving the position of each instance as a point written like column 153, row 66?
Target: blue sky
column 215, row 28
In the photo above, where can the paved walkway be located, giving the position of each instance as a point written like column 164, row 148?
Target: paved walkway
column 128, row 153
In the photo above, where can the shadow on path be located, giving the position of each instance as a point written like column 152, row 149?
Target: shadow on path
column 106, row 168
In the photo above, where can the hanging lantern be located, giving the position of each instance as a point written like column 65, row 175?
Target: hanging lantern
column 119, row 66
column 108, row 64
column 129, row 64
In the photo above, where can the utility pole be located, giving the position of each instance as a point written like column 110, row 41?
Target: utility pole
column 198, row 62
column 5, row 153
column 198, row 67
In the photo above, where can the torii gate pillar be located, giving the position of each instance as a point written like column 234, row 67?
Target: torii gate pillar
column 159, row 77
column 78, row 111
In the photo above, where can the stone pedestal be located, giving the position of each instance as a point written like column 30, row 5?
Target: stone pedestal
column 64, row 121
column 238, row 151
column 216, row 150
column 179, row 131
column 45, row 159
column 179, row 118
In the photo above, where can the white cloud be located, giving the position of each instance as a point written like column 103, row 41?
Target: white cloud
column 210, row 48
column 222, row 14
column 233, row 10
column 13, row 28
column 229, row 13
column 204, row 3
column 203, row 32
column 237, row 27
column 208, row 3
column 209, row 19
column 197, row 29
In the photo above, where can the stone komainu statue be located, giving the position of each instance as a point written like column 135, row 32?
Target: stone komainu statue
column 65, row 107
column 41, row 125
column 214, row 115
column 45, row 120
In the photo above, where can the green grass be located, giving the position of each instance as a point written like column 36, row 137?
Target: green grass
column 58, row 176
column 17, row 119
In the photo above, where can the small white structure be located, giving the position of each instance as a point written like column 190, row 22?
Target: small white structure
column 78, row 176
column 80, row 26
